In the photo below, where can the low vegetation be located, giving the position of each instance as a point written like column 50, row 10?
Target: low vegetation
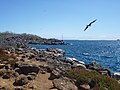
column 93, row 78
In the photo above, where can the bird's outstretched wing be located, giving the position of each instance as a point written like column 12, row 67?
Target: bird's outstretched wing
column 89, row 24
column 93, row 21
column 86, row 28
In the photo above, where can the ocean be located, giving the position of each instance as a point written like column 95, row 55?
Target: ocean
column 104, row 52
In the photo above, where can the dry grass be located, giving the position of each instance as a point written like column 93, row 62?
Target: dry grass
column 10, row 58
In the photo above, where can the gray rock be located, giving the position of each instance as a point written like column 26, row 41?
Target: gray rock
column 54, row 75
column 94, row 66
column 99, row 68
column 56, row 51
column 64, row 84
column 74, row 62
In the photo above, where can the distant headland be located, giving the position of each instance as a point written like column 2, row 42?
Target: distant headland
column 8, row 39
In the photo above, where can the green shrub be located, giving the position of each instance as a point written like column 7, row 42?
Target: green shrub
column 84, row 76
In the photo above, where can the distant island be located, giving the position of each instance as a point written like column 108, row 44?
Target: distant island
column 8, row 39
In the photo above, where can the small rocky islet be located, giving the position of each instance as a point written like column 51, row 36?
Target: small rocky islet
column 24, row 68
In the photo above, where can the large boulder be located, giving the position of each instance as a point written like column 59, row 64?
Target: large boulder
column 64, row 84
column 74, row 62
column 27, row 68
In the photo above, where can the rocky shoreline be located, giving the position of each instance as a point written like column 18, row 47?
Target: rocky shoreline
column 32, row 69
column 24, row 68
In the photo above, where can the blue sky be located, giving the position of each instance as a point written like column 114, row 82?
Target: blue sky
column 52, row 18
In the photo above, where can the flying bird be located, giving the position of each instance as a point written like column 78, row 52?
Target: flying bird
column 89, row 24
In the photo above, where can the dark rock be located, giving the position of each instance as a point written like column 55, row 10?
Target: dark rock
column 43, row 72
column 49, row 69
column 21, row 80
column 8, row 74
column 31, row 56
column 30, row 77
column 117, row 75
column 19, row 88
column 25, row 69
column 99, row 68
column 23, row 56
column 92, row 84
column 94, row 66
column 8, row 66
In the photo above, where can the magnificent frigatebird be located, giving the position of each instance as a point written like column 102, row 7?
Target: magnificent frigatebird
column 89, row 24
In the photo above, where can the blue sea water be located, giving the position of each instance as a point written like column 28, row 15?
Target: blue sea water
column 106, row 53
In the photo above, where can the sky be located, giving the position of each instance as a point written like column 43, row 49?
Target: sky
column 57, row 18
